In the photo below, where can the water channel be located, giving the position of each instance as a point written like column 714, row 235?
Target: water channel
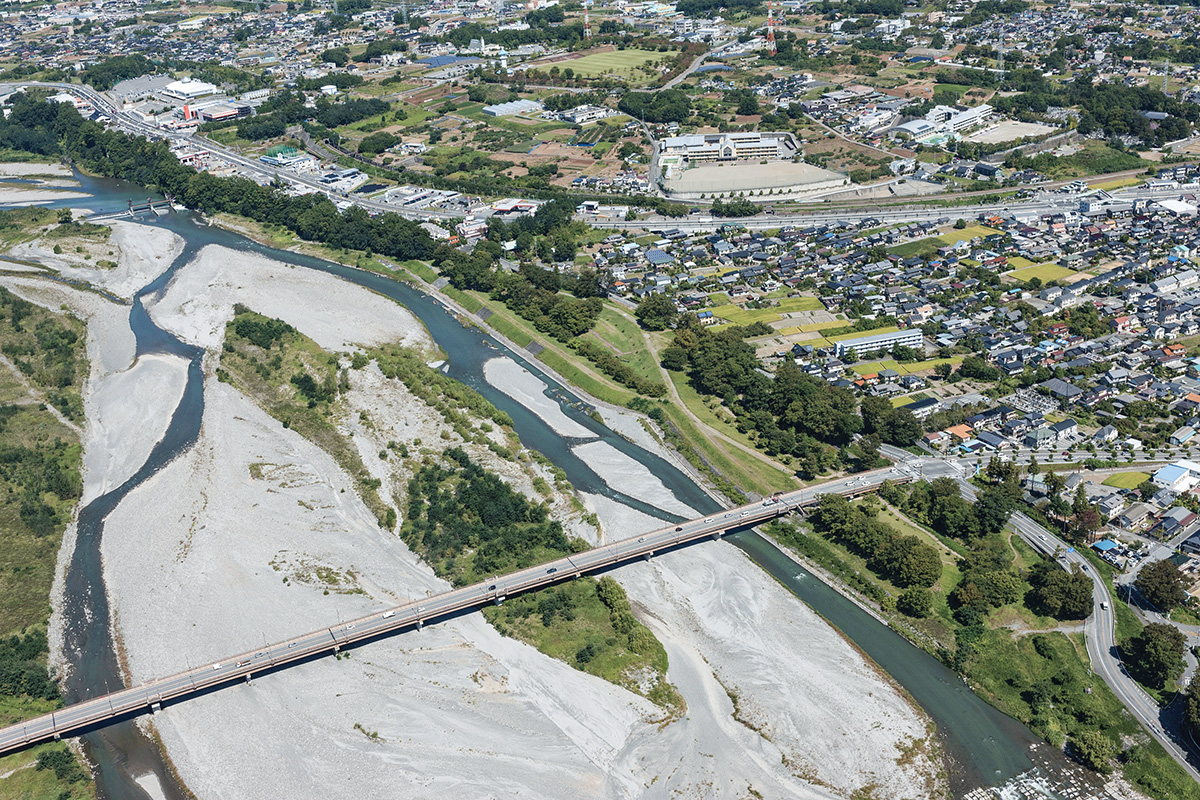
column 983, row 746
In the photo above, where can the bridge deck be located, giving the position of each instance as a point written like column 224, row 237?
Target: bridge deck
column 148, row 696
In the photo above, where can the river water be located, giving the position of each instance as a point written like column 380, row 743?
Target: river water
column 983, row 746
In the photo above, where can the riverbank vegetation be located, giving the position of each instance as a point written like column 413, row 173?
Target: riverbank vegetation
column 957, row 583
column 295, row 381
column 470, row 525
column 39, row 488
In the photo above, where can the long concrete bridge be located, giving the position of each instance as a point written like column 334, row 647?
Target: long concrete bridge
column 148, row 697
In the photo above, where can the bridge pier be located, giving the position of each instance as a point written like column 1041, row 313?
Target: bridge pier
column 647, row 556
column 499, row 599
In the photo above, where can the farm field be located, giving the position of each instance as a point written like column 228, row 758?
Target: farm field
column 1126, row 480
column 929, row 246
column 868, row 367
column 1046, row 272
column 622, row 63
column 745, row 316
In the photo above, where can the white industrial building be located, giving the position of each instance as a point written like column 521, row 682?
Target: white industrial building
column 699, row 147
column 188, row 89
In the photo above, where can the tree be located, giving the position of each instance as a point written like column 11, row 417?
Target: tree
column 1156, row 654
column 1147, row 489
column 874, row 410
column 1162, row 584
column 1191, row 709
column 908, row 562
column 1059, row 594
column 915, row 602
column 64, row 216
column 992, row 509
column 655, row 312
column 943, row 369
column 901, row 428
column 1094, row 750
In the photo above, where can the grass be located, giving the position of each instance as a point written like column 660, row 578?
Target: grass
column 1126, row 480
column 621, row 333
column 24, row 781
column 1019, row 262
column 589, row 624
column 745, row 316
column 622, row 63
column 1046, row 272
column 33, row 439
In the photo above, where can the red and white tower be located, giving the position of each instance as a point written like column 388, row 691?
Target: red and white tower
column 770, row 27
column 587, row 22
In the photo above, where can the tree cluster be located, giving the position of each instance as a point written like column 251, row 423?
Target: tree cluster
column 471, row 524
column 669, row 105
column 905, row 560
column 1155, row 655
column 794, row 414
column 1162, row 584
column 58, row 130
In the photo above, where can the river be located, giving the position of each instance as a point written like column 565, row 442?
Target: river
column 983, row 746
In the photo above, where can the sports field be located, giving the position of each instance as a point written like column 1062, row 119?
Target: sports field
column 616, row 62
column 1047, row 272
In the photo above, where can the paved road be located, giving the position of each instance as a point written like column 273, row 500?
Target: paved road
column 322, row 641
column 1099, row 629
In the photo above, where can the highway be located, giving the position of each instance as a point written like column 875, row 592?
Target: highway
column 324, row 640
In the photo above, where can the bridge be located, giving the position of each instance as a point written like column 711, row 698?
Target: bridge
column 151, row 696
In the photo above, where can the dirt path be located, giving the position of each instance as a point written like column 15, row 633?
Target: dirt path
column 704, row 426
column 36, row 396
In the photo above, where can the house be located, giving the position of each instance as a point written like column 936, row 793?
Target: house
column 1065, row 430
column 1106, row 434
column 1108, row 506
column 1040, row 437
column 960, row 432
column 1175, row 521
column 1134, row 516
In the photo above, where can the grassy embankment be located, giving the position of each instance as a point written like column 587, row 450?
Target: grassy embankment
column 39, row 488
column 615, row 330
column 1018, row 662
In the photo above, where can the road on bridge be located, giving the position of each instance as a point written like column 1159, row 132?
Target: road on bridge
column 322, row 641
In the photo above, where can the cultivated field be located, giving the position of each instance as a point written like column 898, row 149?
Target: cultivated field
column 1047, row 273
column 1127, row 480
column 621, row 63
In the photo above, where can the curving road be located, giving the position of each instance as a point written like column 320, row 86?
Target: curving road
column 322, row 641
column 1099, row 629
